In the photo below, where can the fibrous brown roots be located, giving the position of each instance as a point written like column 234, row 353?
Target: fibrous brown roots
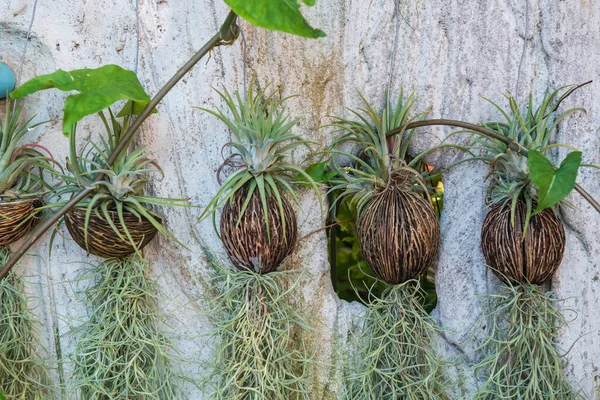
column 398, row 234
column 534, row 258
column 249, row 242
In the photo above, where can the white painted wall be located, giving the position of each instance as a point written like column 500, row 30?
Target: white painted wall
column 451, row 52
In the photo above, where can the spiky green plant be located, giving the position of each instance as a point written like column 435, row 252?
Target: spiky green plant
column 258, row 224
column 122, row 353
column 379, row 156
column 395, row 359
column 533, row 128
column 259, row 350
column 21, row 166
column 263, row 140
column 122, row 185
column 523, row 322
column 23, row 375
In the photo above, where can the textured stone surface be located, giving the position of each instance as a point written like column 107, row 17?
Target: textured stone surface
column 451, row 52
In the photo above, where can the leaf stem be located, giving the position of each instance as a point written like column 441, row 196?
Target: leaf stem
column 227, row 34
column 494, row 135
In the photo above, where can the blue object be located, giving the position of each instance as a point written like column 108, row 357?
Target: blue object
column 7, row 80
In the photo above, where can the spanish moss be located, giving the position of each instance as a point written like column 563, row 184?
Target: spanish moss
column 23, row 375
column 395, row 358
column 260, row 352
column 121, row 353
column 523, row 362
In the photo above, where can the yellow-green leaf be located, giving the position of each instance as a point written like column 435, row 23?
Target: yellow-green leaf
column 278, row 15
column 553, row 184
column 98, row 89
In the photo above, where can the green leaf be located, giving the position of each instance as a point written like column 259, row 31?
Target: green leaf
column 98, row 89
column 278, row 15
column 2, row 396
column 553, row 184
column 317, row 173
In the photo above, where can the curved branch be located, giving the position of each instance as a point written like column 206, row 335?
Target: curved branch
column 489, row 133
column 227, row 35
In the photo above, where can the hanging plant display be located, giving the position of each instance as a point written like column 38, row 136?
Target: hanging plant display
column 523, row 242
column 259, row 352
column 22, row 188
column 258, row 224
column 399, row 236
column 116, row 220
column 121, row 353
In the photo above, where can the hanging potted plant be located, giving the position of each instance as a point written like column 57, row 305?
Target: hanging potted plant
column 260, row 352
column 22, row 188
column 398, row 235
column 116, row 220
column 121, row 352
column 523, row 241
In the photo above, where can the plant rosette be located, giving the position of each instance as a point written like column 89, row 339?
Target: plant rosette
column 523, row 242
column 22, row 184
column 398, row 235
column 117, row 219
column 258, row 224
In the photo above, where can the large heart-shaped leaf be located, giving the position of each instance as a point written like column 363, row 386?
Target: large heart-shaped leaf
column 553, row 184
column 278, row 15
column 98, row 89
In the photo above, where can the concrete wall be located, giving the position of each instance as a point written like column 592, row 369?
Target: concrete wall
column 451, row 52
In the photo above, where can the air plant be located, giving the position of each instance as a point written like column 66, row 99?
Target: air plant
column 398, row 234
column 22, row 372
column 260, row 353
column 121, row 353
column 22, row 184
column 258, row 224
column 117, row 219
column 398, row 230
column 259, row 350
column 523, row 242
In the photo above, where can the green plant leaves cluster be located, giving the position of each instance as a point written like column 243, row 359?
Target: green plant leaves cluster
column 98, row 89
column 279, row 15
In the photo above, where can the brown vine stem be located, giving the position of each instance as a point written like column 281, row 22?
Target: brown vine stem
column 494, row 135
column 227, row 35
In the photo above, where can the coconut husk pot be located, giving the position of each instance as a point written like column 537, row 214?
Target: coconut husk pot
column 398, row 234
column 248, row 244
column 17, row 218
column 514, row 259
column 102, row 240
